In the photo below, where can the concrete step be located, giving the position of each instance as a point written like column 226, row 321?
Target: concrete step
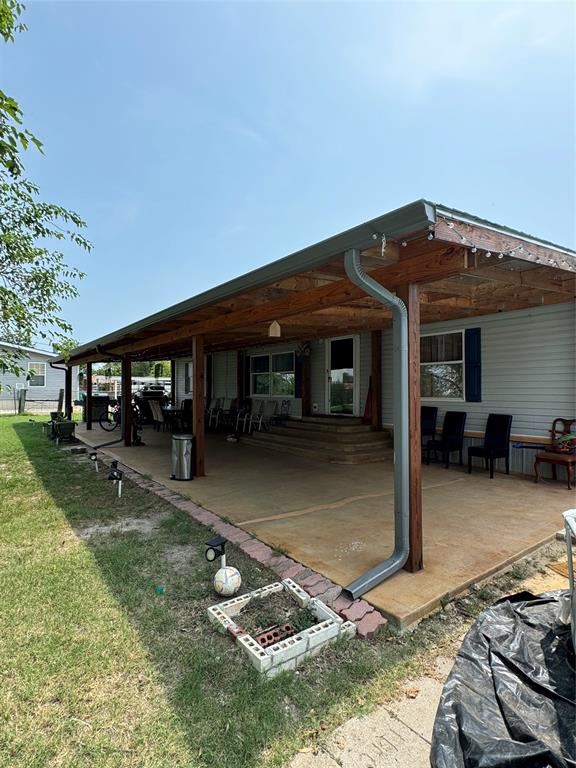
column 268, row 438
column 335, row 426
column 323, row 454
column 349, row 421
column 328, row 436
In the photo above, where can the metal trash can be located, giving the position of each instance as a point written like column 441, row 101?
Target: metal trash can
column 182, row 457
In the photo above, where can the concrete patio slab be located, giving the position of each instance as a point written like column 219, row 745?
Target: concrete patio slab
column 339, row 520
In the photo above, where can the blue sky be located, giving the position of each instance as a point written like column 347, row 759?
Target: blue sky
column 201, row 140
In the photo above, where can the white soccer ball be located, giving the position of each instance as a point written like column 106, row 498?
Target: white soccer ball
column 227, row 581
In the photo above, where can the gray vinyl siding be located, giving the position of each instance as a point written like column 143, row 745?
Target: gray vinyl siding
column 318, row 376
column 224, row 374
column 528, row 370
column 180, row 379
column 54, row 381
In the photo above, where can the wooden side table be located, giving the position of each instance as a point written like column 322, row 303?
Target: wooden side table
column 567, row 460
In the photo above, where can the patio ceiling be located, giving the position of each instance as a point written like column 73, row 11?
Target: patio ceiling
column 468, row 267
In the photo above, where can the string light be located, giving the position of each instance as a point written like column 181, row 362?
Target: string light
column 510, row 252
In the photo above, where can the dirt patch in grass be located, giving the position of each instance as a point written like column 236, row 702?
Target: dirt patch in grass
column 182, row 558
column 143, row 525
column 277, row 609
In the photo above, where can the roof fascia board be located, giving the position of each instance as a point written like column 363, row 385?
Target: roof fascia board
column 396, row 224
column 468, row 218
column 17, row 348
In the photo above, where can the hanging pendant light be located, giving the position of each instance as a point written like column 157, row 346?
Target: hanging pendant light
column 274, row 330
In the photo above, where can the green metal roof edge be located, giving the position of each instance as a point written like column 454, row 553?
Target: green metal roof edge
column 469, row 217
column 396, row 224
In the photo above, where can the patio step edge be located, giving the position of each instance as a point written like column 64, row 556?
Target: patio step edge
column 321, row 453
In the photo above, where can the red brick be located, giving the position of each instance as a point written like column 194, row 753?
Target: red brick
column 370, row 624
column 280, row 563
column 237, row 535
column 313, row 579
column 257, row 550
column 330, row 595
column 251, row 545
column 319, row 587
column 230, row 532
column 205, row 517
column 292, row 571
column 341, row 603
column 357, row 610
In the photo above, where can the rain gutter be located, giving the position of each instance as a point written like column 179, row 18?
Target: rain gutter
column 399, row 556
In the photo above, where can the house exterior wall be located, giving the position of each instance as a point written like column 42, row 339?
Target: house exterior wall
column 528, row 370
column 54, row 381
column 181, row 393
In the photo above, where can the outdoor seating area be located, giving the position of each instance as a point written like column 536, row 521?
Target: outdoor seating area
column 341, row 523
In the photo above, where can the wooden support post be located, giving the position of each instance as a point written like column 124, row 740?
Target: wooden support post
column 68, row 392
column 198, row 403
column 88, row 395
column 410, row 295
column 173, row 382
column 127, row 400
column 376, row 379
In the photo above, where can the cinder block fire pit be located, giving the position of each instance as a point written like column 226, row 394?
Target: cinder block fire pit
column 280, row 648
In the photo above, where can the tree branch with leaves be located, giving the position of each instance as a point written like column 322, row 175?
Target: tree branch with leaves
column 34, row 277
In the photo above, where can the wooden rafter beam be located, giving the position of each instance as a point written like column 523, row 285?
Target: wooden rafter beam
column 545, row 279
column 500, row 242
column 428, row 266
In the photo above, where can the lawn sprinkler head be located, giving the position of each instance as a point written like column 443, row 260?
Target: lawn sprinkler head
column 116, row 476
column 227, row 580
column 94, row 457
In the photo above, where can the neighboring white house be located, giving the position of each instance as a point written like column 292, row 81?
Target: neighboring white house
column 41, row 382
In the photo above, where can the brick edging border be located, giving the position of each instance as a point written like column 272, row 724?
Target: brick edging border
column 367, row 619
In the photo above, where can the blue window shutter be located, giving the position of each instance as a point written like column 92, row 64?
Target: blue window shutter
column 473, row 364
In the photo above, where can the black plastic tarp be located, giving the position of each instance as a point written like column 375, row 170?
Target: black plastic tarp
column 509, row 701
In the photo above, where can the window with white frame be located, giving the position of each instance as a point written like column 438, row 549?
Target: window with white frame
column 442, row 366
column 272, row 375
column 36, row 374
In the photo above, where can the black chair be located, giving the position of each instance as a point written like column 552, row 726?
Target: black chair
column 452, row 438
column 428, row 418
column 496, row 443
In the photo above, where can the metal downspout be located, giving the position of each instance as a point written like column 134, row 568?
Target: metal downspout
column 399, row 556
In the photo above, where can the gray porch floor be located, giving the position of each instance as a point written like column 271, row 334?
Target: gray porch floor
column 339, row 519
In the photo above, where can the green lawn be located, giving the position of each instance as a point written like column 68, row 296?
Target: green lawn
column 100, row 670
